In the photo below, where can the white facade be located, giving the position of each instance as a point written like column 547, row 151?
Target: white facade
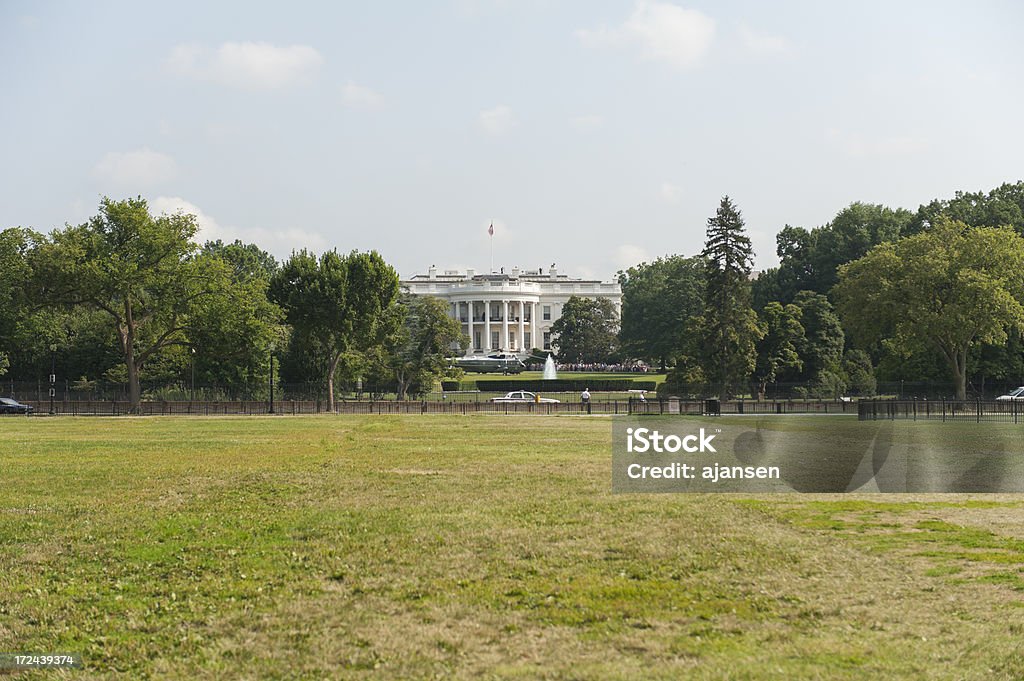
column 510, row 312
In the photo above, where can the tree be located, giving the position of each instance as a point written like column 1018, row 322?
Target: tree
column 659, row 299
column 587, row 331
column 777, row 351
column 231, row 336
column 859, row 374
column 135, row 268
column 808, row 260
column 247, row 261
column 1003, row 206
column 14, row 275
column 340, row 301
column 730, row 326
column 418, row 350
column 822, row 347
column 948, row 288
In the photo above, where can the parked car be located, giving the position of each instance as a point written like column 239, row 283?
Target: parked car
column 1017, row 394
column 10, row 405
column 524, row 396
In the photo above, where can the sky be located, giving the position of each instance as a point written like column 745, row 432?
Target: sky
column 593, row 134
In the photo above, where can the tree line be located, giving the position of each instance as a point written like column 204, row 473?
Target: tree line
column 129, row 297
column 875, row 294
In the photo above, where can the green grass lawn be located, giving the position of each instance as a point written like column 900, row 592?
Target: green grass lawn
column 475, row 547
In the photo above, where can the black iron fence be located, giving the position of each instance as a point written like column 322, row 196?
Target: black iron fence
column 345, row 406
column 713, row 407
column 942, row 410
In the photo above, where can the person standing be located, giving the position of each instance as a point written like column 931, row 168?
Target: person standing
column 585, row 399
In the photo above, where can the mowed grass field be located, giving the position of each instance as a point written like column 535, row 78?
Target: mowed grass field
column 475, row 547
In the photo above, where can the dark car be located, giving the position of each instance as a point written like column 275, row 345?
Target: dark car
column 12, row 406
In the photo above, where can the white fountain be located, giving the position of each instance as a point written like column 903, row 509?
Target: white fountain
column 550, row 372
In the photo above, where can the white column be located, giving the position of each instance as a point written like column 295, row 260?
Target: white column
column 522, row 327
column 504, row 325
column 487, row 324
column 470, row 304
column 534, row 331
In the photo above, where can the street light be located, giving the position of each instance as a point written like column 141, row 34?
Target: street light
column 193, row 396
column 272, row 378
column 53, row 375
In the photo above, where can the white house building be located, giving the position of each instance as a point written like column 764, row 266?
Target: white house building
column 510, row 311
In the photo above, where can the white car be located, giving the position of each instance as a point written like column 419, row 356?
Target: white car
column 1017, row 394
column 523, row 396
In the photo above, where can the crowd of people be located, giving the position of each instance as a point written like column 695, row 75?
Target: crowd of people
column 632, row 367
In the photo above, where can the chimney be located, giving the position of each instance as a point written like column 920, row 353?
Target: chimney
column 515, row 271
column 553, row 271
column 470, row 273
column 432, row 272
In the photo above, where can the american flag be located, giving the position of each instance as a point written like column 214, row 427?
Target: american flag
column 490, row 230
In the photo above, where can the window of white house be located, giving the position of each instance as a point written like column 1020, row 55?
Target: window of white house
column 547, row 340
column 547, row 313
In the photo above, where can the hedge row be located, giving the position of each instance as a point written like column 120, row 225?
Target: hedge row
column 560, row 385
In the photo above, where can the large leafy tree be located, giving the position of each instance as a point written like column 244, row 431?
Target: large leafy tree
column 336, row 302
column 1003, row 206
column 137, row 269
column 424, row 335
column 822, row 347
column 15, row 272
column 247, row 261
column 659, row 301
column 730, row 328
column 778, row 355
column 947, row 288
column 232, row 336
column 587, row 331
column 808, row 260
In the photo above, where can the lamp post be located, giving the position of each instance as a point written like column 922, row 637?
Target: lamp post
column 192, row 397
column 271, row 378
column 53, row 375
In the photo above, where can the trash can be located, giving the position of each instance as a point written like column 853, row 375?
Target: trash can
column 712, row 407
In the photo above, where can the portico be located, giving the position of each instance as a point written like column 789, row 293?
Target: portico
column 506, row 324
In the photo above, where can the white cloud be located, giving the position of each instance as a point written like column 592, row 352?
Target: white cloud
column 497, row 121
column 628, row 255
column 669, row 192
column 358, row 96
column 142, row 167
column 279, row 242
column 250, row 66
column 588, row 123
column 661, row 30
column 764, row 44
column 860, row 146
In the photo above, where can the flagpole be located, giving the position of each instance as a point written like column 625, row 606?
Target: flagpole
column 490, row 232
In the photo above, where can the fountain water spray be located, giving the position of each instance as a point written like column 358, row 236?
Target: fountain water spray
column 550, row 372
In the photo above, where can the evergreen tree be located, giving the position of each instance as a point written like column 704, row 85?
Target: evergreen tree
column 731, row 328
